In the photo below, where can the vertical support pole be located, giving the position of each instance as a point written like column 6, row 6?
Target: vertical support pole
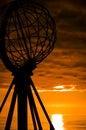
column 22, row 105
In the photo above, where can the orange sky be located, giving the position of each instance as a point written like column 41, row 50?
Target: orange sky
column 65, row 66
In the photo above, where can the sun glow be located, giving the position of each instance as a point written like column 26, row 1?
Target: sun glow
column 57, row 121
column 59, row 87
column 63, row 88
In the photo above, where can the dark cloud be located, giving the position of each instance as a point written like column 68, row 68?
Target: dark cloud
column 59, row 77
column 83, row 77
column 80, row 3
column 71, row 24
column 73, row 74
column 83, row 87
column 79, row 64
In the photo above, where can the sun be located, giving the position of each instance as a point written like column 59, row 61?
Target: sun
column 57, row 121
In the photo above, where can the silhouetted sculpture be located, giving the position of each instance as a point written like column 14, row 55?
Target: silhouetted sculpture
column 27, row 36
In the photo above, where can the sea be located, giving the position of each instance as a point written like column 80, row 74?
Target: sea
column 59, row 121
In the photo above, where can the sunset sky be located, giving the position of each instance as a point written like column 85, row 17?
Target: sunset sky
column 61, row 77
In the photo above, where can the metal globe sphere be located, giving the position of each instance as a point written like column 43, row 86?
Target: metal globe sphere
column 27, row 35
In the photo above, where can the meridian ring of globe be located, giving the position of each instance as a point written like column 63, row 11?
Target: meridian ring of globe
column 29, row 34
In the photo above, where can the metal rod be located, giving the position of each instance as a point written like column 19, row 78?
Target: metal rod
column 35, row 110
column 9, row 119
column 39, row 99
column 32, row 110
column 7, row 94
column 22, row 33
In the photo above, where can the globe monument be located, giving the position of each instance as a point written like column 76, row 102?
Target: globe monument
column 27, row 37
